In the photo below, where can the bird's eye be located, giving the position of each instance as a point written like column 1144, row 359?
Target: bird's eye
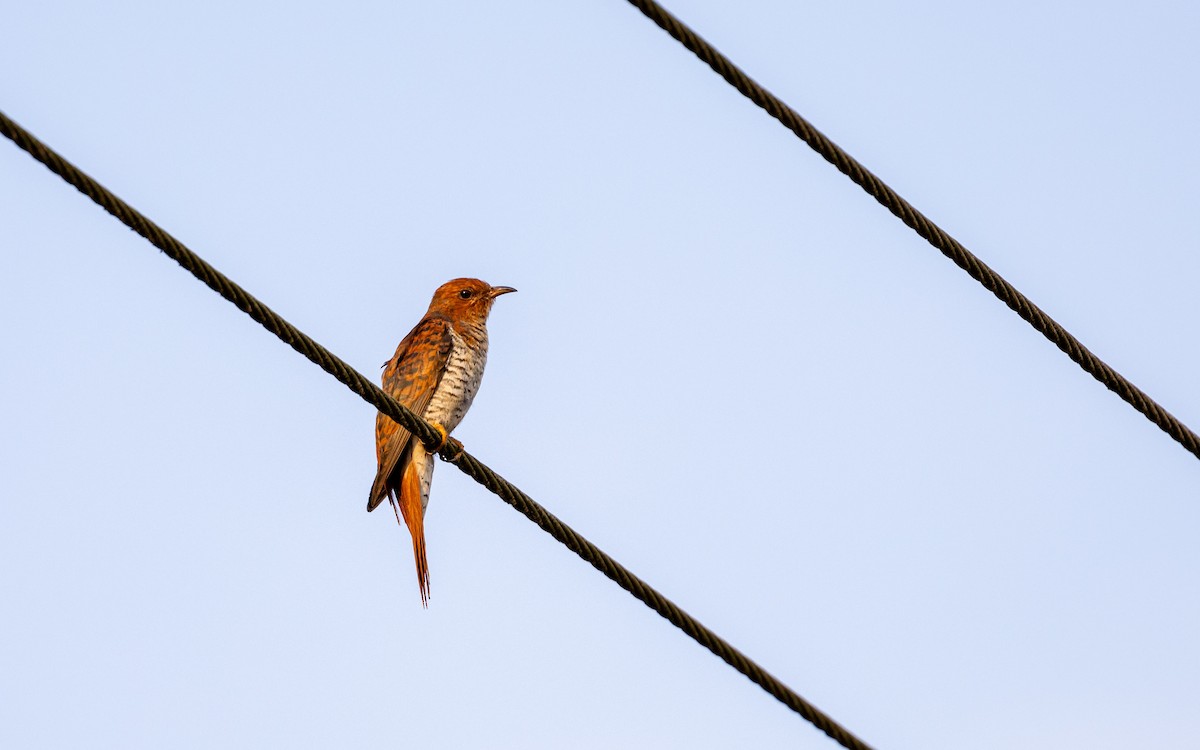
column 466, row 294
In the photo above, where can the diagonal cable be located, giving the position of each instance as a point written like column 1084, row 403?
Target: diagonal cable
column 917, row 221
column 452, row 452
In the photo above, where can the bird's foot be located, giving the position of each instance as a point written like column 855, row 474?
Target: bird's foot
column 448, row 448
column 452, row 450
column 441, row 431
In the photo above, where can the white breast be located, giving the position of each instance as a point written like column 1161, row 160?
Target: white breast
column 451, row 400
column 459, row 383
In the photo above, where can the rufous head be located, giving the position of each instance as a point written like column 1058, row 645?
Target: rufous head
column 466, row 299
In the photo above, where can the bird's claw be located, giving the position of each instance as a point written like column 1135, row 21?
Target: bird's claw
column 448, row 448
column 441, row 431
column 452, row 450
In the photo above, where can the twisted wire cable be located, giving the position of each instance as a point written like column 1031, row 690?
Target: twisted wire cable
column 917, row 221
column 452, row 451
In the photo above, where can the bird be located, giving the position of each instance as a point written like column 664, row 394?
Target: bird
column 435, row 372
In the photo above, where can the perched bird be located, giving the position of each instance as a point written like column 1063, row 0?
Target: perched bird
column 435, row 372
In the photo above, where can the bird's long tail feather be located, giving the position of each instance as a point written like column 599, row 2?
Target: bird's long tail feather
column 414, row 516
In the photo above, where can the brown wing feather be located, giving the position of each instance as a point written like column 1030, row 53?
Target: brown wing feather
column 410, row 377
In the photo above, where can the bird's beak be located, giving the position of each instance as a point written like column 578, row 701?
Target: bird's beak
column 496, row 291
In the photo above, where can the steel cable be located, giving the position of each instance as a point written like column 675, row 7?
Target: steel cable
column 917, row 221
column 451, row 452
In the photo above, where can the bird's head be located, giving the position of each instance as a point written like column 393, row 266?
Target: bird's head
column 466, row 299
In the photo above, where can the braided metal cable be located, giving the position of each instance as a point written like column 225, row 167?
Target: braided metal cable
column 217, row 281
column 645, row 593
column 917, row 221
column 451, row 451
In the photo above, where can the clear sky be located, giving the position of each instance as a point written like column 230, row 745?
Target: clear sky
column 727, row 366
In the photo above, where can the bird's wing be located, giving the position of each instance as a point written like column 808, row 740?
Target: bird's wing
column 410, row 377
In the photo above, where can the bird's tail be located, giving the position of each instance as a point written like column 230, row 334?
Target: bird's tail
column 414, row 516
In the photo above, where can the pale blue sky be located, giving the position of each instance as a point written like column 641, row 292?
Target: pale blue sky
column 726, row 365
